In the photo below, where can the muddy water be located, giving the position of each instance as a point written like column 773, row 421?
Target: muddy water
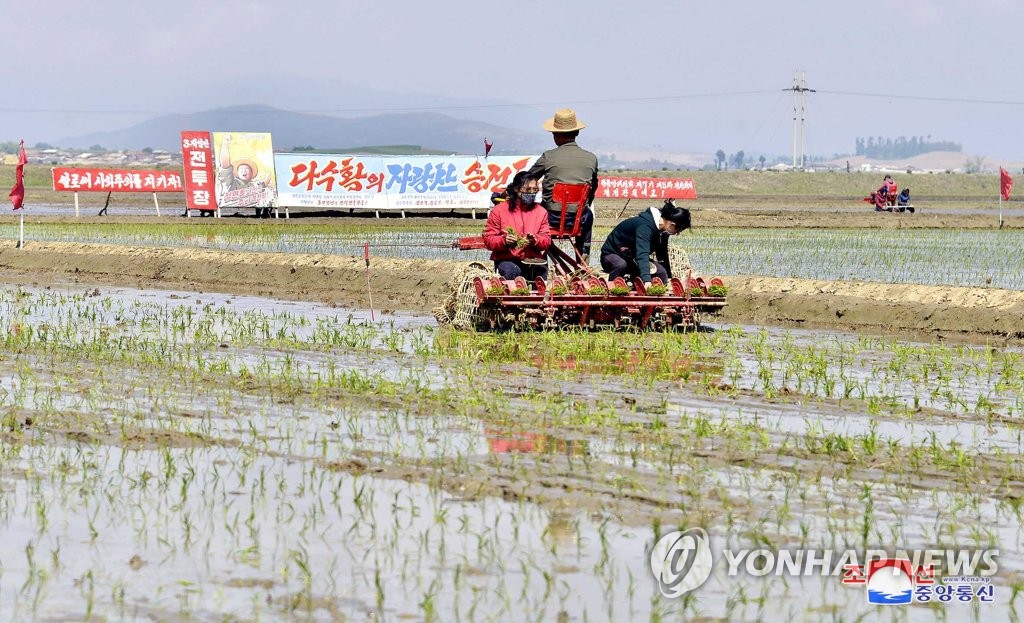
column 158, row 484
column 201, row 534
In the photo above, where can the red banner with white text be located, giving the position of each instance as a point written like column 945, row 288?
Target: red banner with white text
column 116, row 180
column 645, row 188
column 197, row 162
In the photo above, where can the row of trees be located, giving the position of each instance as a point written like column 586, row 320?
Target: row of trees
column 737, row 160
column 901, row 147
column 11, row 147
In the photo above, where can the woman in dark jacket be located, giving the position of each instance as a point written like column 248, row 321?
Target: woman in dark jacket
column 627, row 249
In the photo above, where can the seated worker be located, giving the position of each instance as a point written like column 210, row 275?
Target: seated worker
column 517, row 231
column 881, row 196
column 903, row 199
column 499, row 197
column 571, row 164
column 891, row 191
column 627, row 249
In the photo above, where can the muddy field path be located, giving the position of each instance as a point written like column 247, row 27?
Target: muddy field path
column 418, row 285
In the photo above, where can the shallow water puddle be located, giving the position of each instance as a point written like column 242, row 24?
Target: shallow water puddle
column 195, row 455
column 203, row 533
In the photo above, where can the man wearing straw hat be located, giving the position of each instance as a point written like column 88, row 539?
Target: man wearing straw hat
column 569, row 163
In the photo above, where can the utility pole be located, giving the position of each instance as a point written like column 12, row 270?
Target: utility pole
column 800, row 91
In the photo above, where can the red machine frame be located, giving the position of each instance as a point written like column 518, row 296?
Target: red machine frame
column 577, row 296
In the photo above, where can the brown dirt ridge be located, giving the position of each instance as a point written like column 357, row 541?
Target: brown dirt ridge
column 418, row 285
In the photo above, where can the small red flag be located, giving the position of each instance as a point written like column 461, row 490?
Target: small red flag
column 1005, row 183
column 487, row 147
column 18, row 191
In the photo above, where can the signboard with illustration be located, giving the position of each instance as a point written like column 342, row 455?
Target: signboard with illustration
column 243, row 163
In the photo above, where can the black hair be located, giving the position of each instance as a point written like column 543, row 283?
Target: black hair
column 512, row 189
column 680, row 217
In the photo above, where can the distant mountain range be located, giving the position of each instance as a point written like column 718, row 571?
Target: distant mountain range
column 431, row 131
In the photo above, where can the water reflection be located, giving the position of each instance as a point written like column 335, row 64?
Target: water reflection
column 524, row 442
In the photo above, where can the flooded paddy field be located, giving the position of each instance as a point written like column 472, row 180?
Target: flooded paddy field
column 977, row 258
column 176, row 455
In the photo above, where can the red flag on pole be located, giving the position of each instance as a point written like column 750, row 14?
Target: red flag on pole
column 487, row 147
column 18, row 191
column 1005, row 183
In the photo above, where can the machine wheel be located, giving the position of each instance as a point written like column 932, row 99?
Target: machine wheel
column 679, row 260
column 461, row 309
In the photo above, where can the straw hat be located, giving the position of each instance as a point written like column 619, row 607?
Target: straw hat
column 564, row 121
column 249, row 163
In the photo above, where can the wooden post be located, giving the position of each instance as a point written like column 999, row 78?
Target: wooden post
column 76, row 203
column 157, row 204
column 620, row 211
column 103, row 212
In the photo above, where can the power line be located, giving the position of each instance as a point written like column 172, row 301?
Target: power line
column 925, row 98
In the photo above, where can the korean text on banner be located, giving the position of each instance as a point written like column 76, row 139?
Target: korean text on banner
column 330, row 181
column 116, row 180
column 645, row 188
column 393, row 182
column 197, row 159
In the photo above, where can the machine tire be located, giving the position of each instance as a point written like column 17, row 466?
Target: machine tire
column 460, row 309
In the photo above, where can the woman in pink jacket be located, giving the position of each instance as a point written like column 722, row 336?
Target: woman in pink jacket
column 517, row 232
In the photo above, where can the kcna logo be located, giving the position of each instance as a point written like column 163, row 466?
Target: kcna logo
column 681, row 561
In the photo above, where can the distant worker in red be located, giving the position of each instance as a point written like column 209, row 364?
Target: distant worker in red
column 885, row 194
column 517, row 231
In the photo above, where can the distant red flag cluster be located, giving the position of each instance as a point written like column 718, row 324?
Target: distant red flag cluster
column 18, row 191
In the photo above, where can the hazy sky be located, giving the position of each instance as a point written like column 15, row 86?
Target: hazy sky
column 685, row 76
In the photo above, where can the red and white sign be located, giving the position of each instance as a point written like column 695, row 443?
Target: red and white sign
column 197, row 156
column 116, row 180
column 645, row 188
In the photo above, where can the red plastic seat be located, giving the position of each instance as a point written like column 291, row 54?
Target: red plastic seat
column 566, row 195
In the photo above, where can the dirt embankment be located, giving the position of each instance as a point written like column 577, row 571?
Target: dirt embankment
column 418, row 285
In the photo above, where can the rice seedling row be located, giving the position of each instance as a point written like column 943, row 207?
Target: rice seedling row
column 203, row 456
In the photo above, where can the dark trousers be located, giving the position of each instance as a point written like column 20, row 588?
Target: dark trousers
column 510, row 269
column 618, row 266
column 582, row 241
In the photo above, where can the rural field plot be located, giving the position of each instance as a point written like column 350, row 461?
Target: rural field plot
column 956, row 257
column 209, row 457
